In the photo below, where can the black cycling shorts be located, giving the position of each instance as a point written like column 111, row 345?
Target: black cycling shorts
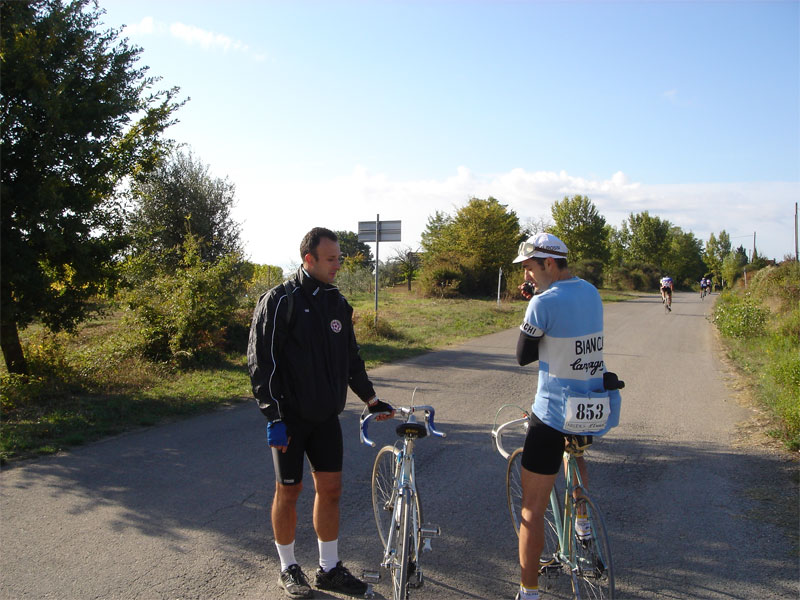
column 544, row 447
column 320, row 442
column 667, row 289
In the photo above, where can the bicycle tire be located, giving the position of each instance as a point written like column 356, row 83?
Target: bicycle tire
column 514, row 497
column 404, row 540
column 384, row 471
column 592, row 557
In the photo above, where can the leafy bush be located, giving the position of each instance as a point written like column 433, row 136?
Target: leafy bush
column 440, row 281
column 740, row 316
column 364, row 326
column 781, row 281
column 355, row 280
column 633, row 276
column 589, row 269
column 178, row 315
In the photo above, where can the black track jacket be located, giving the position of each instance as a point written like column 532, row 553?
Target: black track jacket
column 301, row 370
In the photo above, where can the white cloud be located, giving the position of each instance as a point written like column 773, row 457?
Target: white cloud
column 146, row 26
column 276, row 214
column 207, row 39
column 192, row 35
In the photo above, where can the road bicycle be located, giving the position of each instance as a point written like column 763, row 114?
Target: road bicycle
column 586, row 556
column 396, row 502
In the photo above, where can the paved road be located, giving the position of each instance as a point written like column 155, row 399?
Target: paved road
column 180, row 511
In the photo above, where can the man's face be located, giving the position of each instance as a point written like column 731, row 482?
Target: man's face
column 538, row 274
column 326, row 264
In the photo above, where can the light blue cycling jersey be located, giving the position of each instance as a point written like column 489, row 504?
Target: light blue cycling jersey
column 568, row 319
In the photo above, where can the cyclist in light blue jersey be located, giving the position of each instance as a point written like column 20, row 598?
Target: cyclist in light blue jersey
column 563, row 330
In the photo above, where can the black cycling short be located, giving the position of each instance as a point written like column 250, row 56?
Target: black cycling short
column 667, row 289
column 320, row 442
column 544, row 447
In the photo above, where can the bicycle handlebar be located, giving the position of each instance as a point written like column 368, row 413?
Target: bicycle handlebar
column 401, row 412
column 497, row 434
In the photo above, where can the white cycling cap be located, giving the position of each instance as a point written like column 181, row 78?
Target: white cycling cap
column 541, row 245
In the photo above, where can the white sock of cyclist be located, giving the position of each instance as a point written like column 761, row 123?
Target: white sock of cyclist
column 286, row 554
column 328, row 554
column 528, row 593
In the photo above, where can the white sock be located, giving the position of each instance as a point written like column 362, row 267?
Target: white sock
column 528, row 593
column 286, row 554
column 328, row 554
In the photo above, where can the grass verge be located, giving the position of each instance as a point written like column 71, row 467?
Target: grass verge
column 92, row 384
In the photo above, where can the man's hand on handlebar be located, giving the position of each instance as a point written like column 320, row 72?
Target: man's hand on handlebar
column 382, row 410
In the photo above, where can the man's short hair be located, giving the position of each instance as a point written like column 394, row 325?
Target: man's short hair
column 561, row 263
column 311, row 241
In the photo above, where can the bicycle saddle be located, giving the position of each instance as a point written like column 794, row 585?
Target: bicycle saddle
column 412, row 430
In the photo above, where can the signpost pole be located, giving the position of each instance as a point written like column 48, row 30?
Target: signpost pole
column 377, row 237
column 368, row 231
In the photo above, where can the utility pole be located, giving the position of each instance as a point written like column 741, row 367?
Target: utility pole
column 796, row 257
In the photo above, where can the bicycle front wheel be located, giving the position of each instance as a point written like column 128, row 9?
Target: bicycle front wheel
column 404, row 543
column 591, row 554
column 384, row 491
column 514, row 496
column 384, row 494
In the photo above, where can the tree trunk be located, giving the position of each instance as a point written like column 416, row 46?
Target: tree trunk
column 12, row 349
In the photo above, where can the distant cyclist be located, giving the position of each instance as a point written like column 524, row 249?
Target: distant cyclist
column 666, row 291
column 705, row 284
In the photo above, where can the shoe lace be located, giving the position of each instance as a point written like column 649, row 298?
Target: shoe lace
column 295, row 575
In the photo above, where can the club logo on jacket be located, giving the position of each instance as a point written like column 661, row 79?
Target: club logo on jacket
column 336, row 326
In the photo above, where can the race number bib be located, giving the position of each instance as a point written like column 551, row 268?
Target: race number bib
column 587, row 414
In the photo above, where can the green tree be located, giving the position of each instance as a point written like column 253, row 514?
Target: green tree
column 733, row 267
column 717, row 249
column 684, row 259
column 77, row 116
column 434, row 239
column 179, row 197
column 480, row 239
column 581, row 228
column 647, row 239
column 353, row 249
column 407, row 263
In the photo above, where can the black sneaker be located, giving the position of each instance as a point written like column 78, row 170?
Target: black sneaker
column 339, row 579
column 294, row 582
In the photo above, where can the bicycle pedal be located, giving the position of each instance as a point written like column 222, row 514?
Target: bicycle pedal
column 371, row 576
column 429, row 531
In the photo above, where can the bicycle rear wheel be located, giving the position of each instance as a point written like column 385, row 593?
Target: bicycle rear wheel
column 592, row 556
column 514, row 496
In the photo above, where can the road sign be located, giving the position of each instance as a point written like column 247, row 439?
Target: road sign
column 388, row 231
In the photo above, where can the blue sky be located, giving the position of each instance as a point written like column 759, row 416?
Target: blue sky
column 328, row 113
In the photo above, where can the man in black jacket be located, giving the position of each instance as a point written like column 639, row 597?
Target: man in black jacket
column 302, row 356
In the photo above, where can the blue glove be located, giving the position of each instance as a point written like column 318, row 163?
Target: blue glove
column 277, row 435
